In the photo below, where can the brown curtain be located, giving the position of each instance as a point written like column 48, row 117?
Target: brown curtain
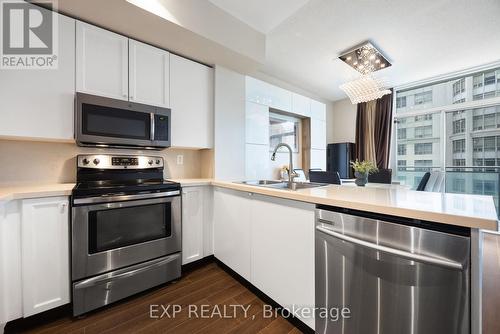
column 373, row 130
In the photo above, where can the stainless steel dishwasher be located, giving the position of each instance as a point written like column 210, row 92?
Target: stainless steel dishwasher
column 393, row 275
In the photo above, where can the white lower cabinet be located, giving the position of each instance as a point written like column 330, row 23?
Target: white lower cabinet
column 232, row 229
column 196, row 223
column 45, row 254
column 34, row 256
column 270, row 242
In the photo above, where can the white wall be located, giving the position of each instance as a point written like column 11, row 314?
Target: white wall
column 341, row 122
column 229, row 127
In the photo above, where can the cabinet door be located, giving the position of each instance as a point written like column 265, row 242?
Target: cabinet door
column 149, row 78
column 257, row 162
column 192, row 223
column 301, row 105
column 283, row 251
column 266, row 94
column 39, row 103
column 257, row 123
column 318, row 134
column 232, row 229
column 45, row 254
column 101, row 62
column 191, row 100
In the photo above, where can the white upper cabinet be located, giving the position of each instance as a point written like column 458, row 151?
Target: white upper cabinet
column 192, row 103
column 45, row 254
column 318, row 134
column 272, row 96
column 301, row 105
column 39, row 103
column 101, row 62
column 149, row 79
column 257, row 123
column 318, row 110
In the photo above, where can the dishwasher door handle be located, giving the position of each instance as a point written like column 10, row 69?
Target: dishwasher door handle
column 397, row 252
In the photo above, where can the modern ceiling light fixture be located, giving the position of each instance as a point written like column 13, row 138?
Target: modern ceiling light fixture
column 365, row 59
column 368, row 55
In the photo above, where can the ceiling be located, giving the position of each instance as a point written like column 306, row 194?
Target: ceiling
column 298, row 41
column 262, row 15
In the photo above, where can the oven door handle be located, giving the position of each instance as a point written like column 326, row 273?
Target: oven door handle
column 396, row 252
column 118, row 198
column 115, row 276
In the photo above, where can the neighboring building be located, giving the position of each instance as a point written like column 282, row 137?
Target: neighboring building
column 470, row 153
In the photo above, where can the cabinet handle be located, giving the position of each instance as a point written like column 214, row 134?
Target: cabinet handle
column 131, row 97
column 63, row 206
column 124, row 95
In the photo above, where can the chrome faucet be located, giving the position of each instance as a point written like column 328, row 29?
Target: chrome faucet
column 291, row 173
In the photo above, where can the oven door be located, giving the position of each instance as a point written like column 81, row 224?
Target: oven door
column 109, row 236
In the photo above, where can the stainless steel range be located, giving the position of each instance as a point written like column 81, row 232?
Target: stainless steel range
column 126, row 229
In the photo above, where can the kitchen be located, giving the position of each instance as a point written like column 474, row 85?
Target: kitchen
column 166, row 176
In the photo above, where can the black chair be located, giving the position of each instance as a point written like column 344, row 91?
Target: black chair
column 423, row 182
column 382, row 176
column 324, row 177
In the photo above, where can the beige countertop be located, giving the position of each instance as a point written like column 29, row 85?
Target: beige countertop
column 23, row 191
column 473, row 211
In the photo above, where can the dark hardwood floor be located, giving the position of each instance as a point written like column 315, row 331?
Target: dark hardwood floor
column 207, row 285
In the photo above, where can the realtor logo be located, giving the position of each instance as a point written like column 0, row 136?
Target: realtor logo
column 28, row 35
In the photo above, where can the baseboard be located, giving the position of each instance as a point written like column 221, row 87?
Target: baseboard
column 197, row 264
column 268, row 300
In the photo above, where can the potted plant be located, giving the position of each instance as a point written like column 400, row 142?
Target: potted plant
column 361, row 171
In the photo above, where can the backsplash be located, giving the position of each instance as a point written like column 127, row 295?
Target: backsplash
column 55, row 162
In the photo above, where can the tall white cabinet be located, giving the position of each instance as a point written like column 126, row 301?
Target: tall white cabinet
column 101, row 62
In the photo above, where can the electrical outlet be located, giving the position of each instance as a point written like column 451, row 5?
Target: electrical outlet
column 180, row 160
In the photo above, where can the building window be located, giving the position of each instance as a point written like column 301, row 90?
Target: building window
column 426, row 117
column 459, row 126
column 489, row 121
column 477, row 162
column 283, row 129
column 489, row 144
column 401, row 102
column 401, row 164
column 423, row 131
column 459, row 87
column 423, row 148
column 424, row 97
column 401, row 149
column 459, row 162
column 489, row 78
column 459, row 146
column 477, row 81
column 477, row 144
column 401, row 133
column 423, row 165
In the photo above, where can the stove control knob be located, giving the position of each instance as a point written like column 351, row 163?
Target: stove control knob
column 150, row 162
column 157, row 161
column 96, row 161
column 85, row 161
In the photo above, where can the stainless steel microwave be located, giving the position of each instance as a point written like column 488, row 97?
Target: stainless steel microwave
column 106, row 122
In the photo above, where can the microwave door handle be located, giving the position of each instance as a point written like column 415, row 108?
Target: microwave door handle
column 396, row 252
column 152, row 125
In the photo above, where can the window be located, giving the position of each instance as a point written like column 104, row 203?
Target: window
column 477, row 162
column 401, row 102
column 401, row 164
column 401, row 133
column 423, row 148
column 489, row 144
column 424, row 97
column 423, row 165
column 423, row 131
column 458, row 162
column 426, row 117
column 459, row 126
column 477, row 122
column 489, row 121
column 283, row 129
column 489, row 78
column 477, row 81
column 459, row 87
column 401, row 149
column 459, row 146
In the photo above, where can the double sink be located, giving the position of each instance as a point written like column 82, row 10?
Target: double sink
column 284, row 184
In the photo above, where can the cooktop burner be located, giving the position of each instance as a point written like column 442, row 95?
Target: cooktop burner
column 99, row 175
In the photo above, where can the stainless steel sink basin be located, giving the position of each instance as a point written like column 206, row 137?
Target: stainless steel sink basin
column 283, row 184
column 260, row 182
